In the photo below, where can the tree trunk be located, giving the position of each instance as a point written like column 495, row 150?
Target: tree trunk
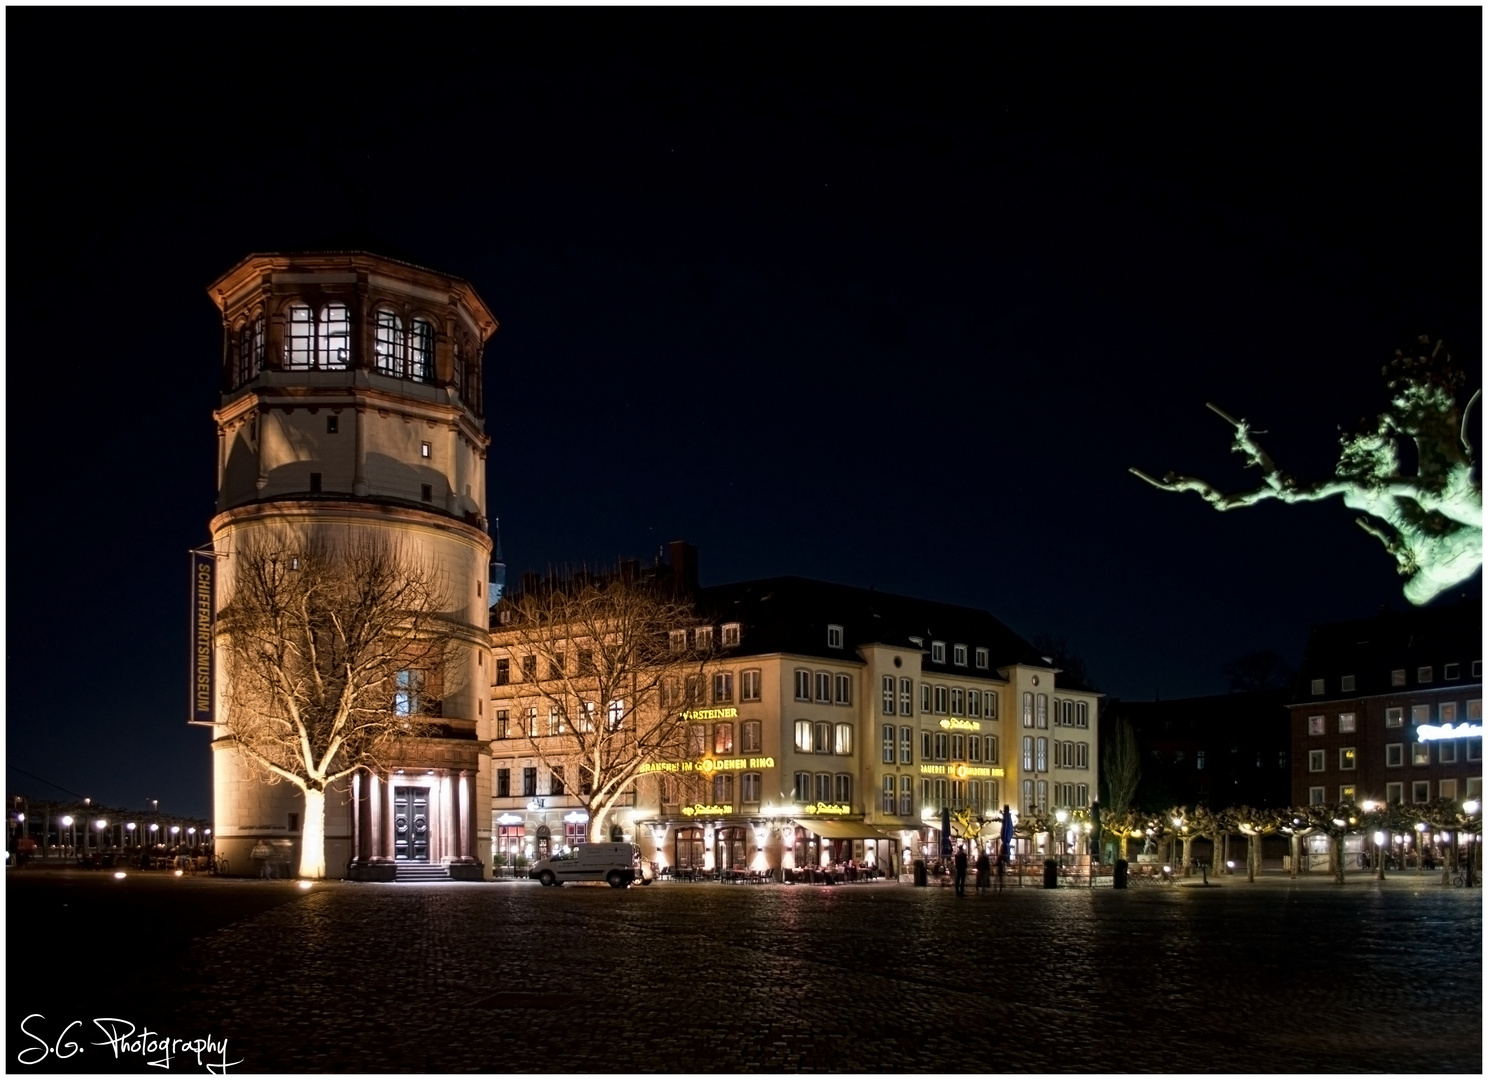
column 1338, row 859
column 1449, row 860
column 598, row 832
column 312, row 836
column 1252, row 857
column 1296, row 854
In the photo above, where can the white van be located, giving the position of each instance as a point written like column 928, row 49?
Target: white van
column 617, row 864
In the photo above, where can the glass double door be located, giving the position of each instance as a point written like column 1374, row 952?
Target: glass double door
column 411, row 824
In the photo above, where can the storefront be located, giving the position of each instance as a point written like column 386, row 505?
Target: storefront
column 844, row 847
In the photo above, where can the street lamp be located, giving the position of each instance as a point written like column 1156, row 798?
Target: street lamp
column 67, row 824
column 1379, row 856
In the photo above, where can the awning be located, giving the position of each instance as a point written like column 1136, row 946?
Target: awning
column 843, row 830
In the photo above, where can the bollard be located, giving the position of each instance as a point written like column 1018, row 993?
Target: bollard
column 921, row 877
column 1118, row 879
column 1051, row 874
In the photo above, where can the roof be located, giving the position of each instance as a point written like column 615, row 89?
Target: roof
column 791, row 615
column 1370, row 649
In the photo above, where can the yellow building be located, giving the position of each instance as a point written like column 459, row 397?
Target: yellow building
column 352, row 406
column 837, row 725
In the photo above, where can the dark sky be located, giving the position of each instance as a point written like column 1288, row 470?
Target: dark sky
column 888, row 298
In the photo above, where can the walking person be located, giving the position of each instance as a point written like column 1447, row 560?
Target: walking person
column 961, row 870
column 984, row 871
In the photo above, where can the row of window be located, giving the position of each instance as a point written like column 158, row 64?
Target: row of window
column 1420, row 754
column 1395, row 792
column 559, row 721
column 823, row 687
column 1036, row 795
column 823, row 737
column 823, row 787
column 979, row 796
column 1067, row 712
column 958, row 654
column 1067, row 755
column 701, row 638
column 529, row 783
column 1424, row 674
column 750, row 739
column 1395, row 717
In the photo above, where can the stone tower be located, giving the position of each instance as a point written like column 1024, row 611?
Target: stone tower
column 352, row 405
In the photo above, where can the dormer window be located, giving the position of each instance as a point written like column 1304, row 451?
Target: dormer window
column 937, row 652
column 958, row 655
column 678, row 640
column 320, row 340
column 981, row 659
column 834, row 636
column 703, row 637
column 730, row 634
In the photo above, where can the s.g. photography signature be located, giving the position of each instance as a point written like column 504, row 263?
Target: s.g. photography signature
column 123, row 1039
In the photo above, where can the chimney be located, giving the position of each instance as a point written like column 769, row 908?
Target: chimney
column 684, row 560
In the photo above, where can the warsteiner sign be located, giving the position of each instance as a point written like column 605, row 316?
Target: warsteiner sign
column 203, row 622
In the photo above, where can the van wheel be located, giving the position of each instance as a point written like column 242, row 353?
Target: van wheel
column 616, row 879
column 545, row 878
column 645, row 881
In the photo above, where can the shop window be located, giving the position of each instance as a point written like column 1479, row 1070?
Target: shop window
column 906, row 796
column 822, row 736
column 844, row 690
column 723, row 687
column 888, row 695
column 749, row 737
column 1394, row 755
column 687, row 849
column 824, row 687
column 906, row 746
column 723, row 738
column 906, row 697
column 751, row 786
column 749, row 686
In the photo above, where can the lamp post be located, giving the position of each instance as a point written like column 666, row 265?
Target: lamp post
column 1179, row 839
column 71, row 845
column 1379, row 856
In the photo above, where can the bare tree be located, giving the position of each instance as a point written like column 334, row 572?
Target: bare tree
column 334, row 653
column 1121, row 767
column 1261, row 670
column 1430, row 521
column 612, row 674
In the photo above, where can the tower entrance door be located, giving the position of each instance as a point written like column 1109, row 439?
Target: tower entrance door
column 411, row 824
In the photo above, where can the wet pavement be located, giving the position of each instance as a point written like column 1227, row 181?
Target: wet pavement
column 1271, row 977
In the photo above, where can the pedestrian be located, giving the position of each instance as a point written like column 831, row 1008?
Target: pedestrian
column 984, row 871
column 961, row 870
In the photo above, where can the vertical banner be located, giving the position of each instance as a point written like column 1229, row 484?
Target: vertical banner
column 203, row 625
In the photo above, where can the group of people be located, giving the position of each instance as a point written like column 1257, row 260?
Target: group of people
column 983, row 870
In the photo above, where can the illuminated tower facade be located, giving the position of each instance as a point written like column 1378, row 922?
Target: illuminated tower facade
column 352, row 406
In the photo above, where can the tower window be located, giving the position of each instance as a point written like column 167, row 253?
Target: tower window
column 421, row 351
column 423, row 449
column 315, row 483
column 426, row 492
column 332, row 424
column 387, row 343
column 250, row 349
column 318, row 340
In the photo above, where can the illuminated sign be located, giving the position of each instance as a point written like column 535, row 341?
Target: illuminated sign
column 203, row 626
column 509, row 819
column 827, row 808
column 704, row 809
column 960, row 770
column 961, row 725
column 709, row 765
column 1428, row 732
column 711, row 714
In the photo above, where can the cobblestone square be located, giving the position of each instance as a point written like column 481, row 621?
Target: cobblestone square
column 344, row 977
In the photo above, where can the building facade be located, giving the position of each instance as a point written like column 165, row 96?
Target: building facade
column 1391, row 709
column 834, row 725
column 351, row 407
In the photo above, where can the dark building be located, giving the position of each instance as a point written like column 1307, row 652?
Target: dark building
column 1391, row 708
column 1225, row 750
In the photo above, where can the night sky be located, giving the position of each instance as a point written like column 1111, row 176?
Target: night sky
column 888, row 298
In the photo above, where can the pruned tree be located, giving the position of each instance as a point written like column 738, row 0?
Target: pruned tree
column 1123, row 827
column 1121, row 768
column 1255, row 823
column 1429, row 520
column 614, row 672
column 334, row 653
column 1334, row 820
